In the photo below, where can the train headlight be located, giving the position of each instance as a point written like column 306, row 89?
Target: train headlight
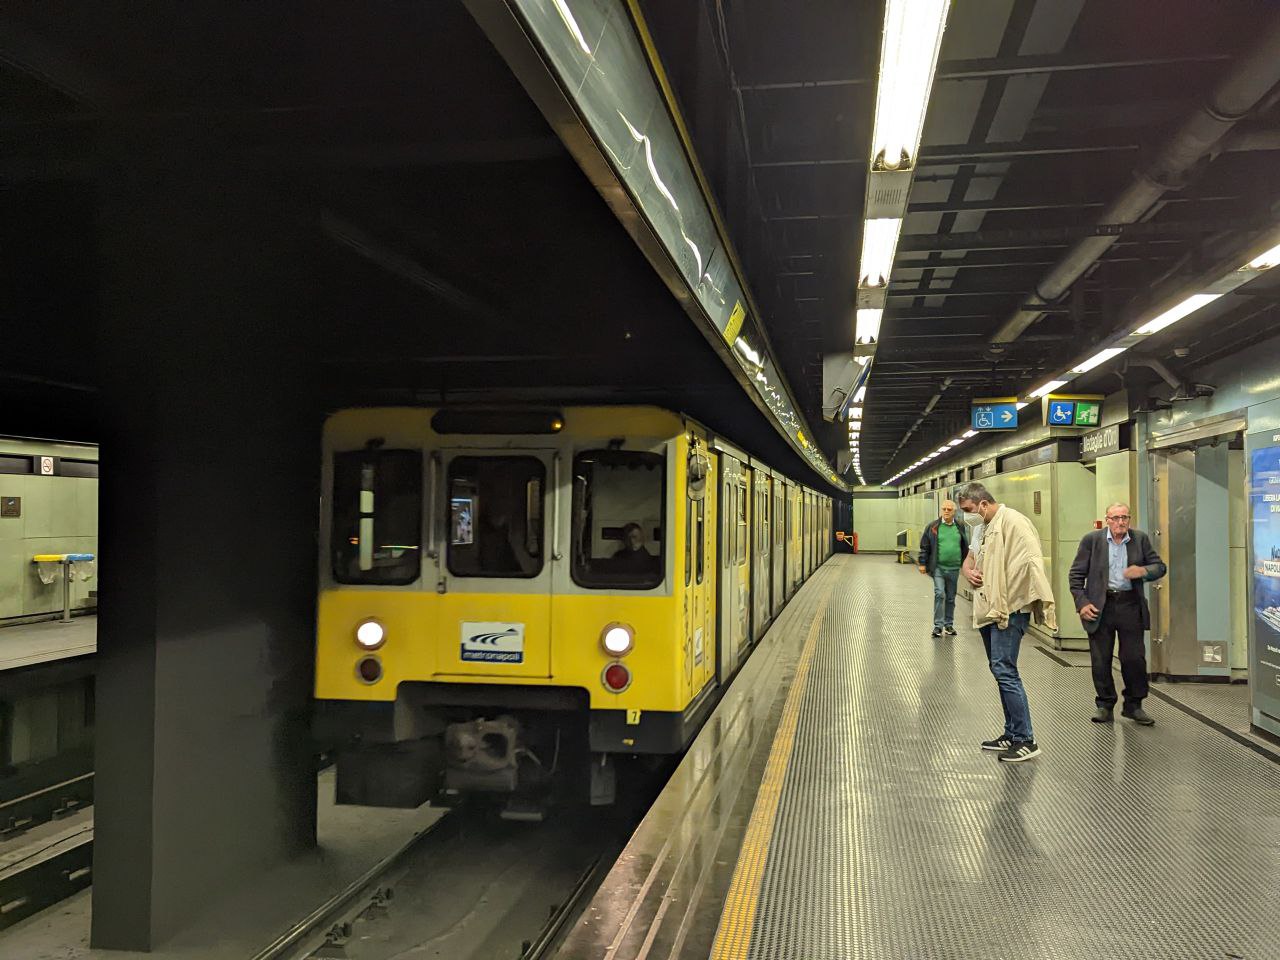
column 617, row 639
column 371, row 635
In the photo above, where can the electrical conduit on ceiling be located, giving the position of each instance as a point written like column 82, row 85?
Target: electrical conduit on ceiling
column 1232, row 100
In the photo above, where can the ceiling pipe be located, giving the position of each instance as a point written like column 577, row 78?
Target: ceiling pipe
column 1249, row 82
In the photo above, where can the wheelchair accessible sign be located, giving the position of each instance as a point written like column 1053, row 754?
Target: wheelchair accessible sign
column 994, row 413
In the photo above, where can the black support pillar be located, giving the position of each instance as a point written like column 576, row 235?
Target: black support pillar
column 209, row 494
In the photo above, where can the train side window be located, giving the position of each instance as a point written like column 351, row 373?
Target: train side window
column 740, row 546
column 727, row 518
column 619, row 523
column 495, row 516
column 688, row 541
column 702, row 538
column 377, row 517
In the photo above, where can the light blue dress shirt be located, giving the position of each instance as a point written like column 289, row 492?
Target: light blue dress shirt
column 1118, row 554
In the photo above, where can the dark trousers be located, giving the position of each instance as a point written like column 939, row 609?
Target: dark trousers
column 1120, row 616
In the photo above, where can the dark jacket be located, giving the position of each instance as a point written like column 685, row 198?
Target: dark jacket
column 1089, row 572
column 929, row 543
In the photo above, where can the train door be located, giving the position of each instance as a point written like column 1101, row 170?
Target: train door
column 761, row 549
column 778, row 551
column 700, row 500
column 732, row 602
column 789, row 546
column 826, row 530
column 488, row 530
column 807, row 528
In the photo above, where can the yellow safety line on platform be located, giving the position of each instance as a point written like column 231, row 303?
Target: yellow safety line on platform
column 733, row 937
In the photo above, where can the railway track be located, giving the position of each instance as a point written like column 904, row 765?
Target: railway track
column 469, row 887
column 46, row 847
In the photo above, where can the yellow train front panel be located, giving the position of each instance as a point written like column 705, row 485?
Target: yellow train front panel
column 532, row 611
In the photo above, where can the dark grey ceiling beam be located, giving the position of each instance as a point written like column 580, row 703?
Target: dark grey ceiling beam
column 1150, row 230
column 985, row 69
column 925, row 291
column 1025, row 206
column 958, row 153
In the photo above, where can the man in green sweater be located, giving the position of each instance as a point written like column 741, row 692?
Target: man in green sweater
column 943, row 547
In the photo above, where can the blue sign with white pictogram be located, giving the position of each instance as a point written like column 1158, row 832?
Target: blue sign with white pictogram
column 995, row 416
column 1062, row 413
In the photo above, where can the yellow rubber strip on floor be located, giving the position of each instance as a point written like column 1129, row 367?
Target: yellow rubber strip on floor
column 733, row 937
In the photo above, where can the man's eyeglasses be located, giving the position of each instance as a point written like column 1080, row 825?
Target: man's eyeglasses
column 1116, row 519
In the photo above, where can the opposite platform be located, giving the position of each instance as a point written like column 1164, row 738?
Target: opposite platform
column 838, row 806
column 31, row 644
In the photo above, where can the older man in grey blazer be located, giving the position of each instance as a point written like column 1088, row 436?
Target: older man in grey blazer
column 1108, row 580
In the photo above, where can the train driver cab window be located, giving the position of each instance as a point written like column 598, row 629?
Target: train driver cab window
column 494, row 516
column 377, row 517
column 618, row 519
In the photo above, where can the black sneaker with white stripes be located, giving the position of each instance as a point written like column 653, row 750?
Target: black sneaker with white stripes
column 1000, row 743
column 1023, row 750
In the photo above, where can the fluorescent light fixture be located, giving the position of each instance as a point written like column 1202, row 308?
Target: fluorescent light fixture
column 861, row 394
column 1099, row 358
column 867, row 329
column 855, row 413
column 1174, row 314
column 1049, row 387
column 879, row 241
column 969, row 433
column 908, row 58
column 956, row 442
column 1264, row 261
column 1020, row 404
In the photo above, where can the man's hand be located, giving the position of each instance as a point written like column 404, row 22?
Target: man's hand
column 1089, row 612
column 973, row 576
column 1135, row 572
column 924, row 569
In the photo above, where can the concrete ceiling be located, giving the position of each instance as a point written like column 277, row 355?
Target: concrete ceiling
column 1041, row 113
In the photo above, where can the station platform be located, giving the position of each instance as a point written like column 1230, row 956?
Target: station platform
column 837, row 805
column 31, row 644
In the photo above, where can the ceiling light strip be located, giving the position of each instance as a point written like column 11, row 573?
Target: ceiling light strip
column 1187, row 306
column 909, row 46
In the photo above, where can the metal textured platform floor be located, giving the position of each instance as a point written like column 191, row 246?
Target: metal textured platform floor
column 850, row 813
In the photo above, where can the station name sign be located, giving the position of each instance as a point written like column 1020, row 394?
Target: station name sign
column 1115, row 438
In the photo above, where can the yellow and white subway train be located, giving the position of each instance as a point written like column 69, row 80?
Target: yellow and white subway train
column 511, row 600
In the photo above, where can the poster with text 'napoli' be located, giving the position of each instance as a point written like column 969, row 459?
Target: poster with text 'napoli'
column 1265, row 499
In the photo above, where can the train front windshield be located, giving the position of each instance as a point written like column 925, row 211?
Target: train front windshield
column 377, row 516
column 619, row 530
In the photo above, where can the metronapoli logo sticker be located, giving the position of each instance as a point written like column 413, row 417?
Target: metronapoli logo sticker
column 493, row 642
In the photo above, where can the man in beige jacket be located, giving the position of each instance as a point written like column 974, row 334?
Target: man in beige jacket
column 1006, row 569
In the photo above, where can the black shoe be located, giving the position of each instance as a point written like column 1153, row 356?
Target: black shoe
column 937, row 632
column 948, row 631
column 1102, row 715
column 1018, row 752
column 1001, row 743
column 1138, row 715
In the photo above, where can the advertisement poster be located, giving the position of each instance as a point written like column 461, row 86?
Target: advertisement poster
column 1264, row 497
column 462, row 521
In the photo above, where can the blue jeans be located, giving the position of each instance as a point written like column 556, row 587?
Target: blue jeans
column 944, row 597
column 1002, row 655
